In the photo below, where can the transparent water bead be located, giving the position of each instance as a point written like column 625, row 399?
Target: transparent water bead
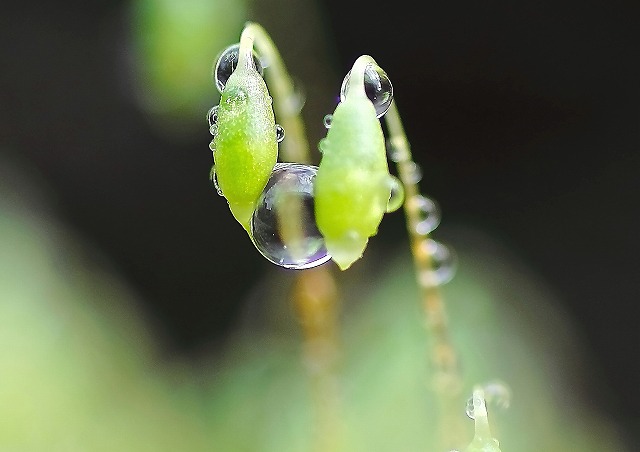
column 227, row 62
column 377, row 86
column 212, row 116
column 396, row 198
column 214, row 178
column 443, row 263
column 279, row 133
column 327, row 120
column 283, row 225
column 428, row 214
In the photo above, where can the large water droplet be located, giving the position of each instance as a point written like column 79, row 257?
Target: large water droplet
column 279, row 133
column 214, row 178
column 442, row 263
column 283, row 225
column 428, row 214
column 227, row 63
column 396, row 198
column 377, row 86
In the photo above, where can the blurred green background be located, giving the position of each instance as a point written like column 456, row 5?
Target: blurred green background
column 125, row 308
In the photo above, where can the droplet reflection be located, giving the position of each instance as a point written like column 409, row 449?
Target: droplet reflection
column 283, row 225
column 227, row 63
column 377, row 86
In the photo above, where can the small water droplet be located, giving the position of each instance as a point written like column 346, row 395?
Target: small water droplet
column 377, row 86
column 214, row 178
column 327, row 120
column 296, row 100
column 213, row 130
column 396, row 198
column 279, row 133
column 394, row 154
column 428, row 214
column 442, row 263
column 413, row 172
column 212, row 115
column 283, row 225
column 497, row 394
column 227, row 62
column 470, row 408
column 212, row 146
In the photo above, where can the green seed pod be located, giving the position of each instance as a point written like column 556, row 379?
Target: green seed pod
column 352, row 186
column 245, row 145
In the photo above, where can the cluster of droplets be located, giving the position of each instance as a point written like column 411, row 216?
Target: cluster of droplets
column 442, row 258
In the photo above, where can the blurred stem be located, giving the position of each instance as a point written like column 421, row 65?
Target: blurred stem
column 446, row 380
column 315, row 294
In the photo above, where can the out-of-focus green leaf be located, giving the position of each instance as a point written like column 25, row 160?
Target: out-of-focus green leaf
column 175, row 45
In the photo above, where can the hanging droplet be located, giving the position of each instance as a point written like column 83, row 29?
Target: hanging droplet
column 214, row 178
column 327, row 121
column 227, row 62
column 212, row 115
column 428, row 214
column 279, row 133
column 212, row 146
column 377, row 86
column 283, row 225
column 396, row 198
column 441, row 263
column 413, row 172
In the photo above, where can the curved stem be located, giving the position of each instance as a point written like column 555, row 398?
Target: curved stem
column 447, row 381
column 315, row 294
column 286, row 102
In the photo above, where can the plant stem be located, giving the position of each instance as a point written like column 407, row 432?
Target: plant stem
column 446, row 380
column 315, row 294
column 287, row 104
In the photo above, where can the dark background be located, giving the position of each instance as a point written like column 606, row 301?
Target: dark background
column 524, row 116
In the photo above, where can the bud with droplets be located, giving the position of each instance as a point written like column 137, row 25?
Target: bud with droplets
column 352, row 185
column 245, row 142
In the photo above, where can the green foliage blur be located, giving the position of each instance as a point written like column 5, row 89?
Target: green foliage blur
column 81, row 366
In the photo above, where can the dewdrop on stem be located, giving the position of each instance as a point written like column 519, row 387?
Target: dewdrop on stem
column 283, row 226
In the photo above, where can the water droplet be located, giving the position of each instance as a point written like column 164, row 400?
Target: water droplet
column 377, row 86
column 470, row 408
column 214, row 178
column 394, row 154
column 213, row 130
column 442, row 263
column 227, row 62
column 279, row 133
column 327, row 120
column 212, row 116
column 283, row 225
column 428, row 214
column 396, row 198
column 413, row 172
column 497, row 394
column 212, row 146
